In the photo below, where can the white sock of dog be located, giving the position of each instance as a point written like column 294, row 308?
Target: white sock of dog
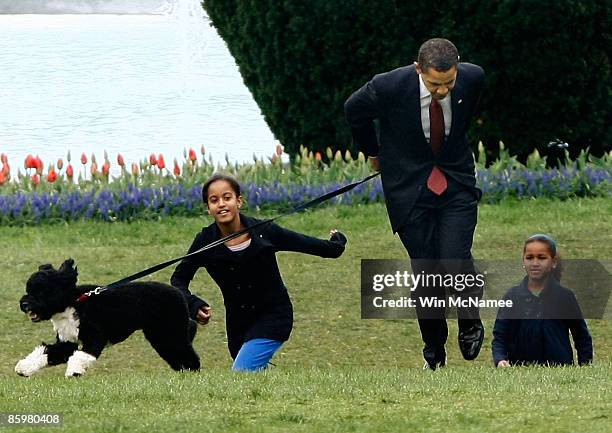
column 35, row 361
column 78, row 363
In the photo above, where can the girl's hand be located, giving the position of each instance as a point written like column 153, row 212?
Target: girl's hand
column 503, row 363
column 203, row 316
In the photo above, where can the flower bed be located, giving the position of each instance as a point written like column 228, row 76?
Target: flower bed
column 149, row 190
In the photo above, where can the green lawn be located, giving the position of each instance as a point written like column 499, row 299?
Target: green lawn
column 337, row 372
column 337, row 399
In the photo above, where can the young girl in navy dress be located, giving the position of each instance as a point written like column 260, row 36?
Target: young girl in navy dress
column 259, row 314
column 535, row 330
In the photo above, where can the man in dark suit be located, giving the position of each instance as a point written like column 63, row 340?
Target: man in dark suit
column 419, row 145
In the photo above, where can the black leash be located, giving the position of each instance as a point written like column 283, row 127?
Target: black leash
column 218, row 242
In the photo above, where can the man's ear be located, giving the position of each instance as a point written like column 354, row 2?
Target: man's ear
column 418, row 68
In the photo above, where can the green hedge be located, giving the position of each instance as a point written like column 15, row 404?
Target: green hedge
column 547, row 62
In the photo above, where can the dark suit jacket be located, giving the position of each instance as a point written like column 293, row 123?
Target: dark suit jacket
column 406, row 158
column 256, row 300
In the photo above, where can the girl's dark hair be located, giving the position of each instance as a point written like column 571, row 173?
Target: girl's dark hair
column 220, row 176
column 552, row 247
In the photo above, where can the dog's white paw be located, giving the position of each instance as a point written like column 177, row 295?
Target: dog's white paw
column 35, row 361
column 78, row 363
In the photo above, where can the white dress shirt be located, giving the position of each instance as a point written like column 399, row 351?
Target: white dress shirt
column 446, row 109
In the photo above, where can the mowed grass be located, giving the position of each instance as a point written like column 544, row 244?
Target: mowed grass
column 349, row 399
column 337, row 372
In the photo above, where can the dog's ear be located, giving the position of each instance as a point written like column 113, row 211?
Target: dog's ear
column 70, row 272
column 45, row 267
column 67, row 265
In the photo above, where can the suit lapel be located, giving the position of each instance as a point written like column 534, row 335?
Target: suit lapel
column 457, row 106
column 412, row 101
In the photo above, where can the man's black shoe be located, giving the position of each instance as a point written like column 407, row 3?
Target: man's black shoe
column 470, row 340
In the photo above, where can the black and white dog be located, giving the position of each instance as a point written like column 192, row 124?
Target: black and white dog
column 109, row 317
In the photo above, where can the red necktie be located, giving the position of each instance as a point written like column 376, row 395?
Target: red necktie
column 436, row 181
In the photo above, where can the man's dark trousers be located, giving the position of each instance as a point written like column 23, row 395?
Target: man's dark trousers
column 450, row 217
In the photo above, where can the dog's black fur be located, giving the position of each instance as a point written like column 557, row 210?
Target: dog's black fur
column 112, row 316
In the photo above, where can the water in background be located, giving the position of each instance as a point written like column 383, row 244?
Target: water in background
column 86, row 6
column 133, row 83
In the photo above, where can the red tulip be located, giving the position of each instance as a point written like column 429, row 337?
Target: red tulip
column 60, row 164
column 6, row 169
column 39, row 165
column 202, row 150
column 30, row 162
column 69, row 171
column 279, row 149
column 106, row 168
column 3, row 158
column 161, row 163
column 135, row 169
column 94, row 169
column 152, row 159
column 35, row 179
column 318, row 156
column 177, row 169
column 83, row 159
column 120, row 160
column 192, row 155
column 93, row 157
column 52, row 176
column 2, row 178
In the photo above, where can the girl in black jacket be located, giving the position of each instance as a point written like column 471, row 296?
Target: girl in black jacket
column 259, row 314
column 535, row 330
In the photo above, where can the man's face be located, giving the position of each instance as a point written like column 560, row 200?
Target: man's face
column 438, row 83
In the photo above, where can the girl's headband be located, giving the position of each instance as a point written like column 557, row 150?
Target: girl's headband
column 545, row 238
